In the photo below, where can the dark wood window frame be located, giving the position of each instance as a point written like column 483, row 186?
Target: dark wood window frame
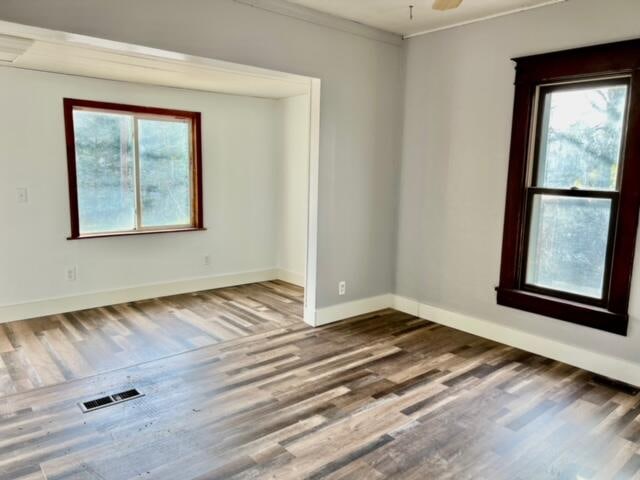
column 617, row 62
column 194, row 118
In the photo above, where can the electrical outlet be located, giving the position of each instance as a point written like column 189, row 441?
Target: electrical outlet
column 22, row 195
column 342, row 287
column 72, row 274
column 207, row 260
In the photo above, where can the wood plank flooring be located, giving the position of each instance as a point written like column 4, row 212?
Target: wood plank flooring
column 58, row 348
column 384, row 396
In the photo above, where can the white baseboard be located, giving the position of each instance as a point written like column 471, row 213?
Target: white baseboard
column 406, row 305
column 291, row 277
column 334, row 313
column 53, row 306
column 613, row 367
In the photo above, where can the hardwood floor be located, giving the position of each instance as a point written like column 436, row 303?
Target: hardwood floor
column 381, row 396
column 54, row 349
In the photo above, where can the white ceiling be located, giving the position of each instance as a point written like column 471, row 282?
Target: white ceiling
column 393, row 15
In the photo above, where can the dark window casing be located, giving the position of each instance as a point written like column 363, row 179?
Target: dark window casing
column 615, row 62
column 194, row 118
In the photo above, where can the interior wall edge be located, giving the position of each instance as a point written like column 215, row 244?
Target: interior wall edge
column 606, row 365
column 53, row 306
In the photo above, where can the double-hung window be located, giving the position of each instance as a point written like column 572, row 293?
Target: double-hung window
column 132, row 169
column 574, row 186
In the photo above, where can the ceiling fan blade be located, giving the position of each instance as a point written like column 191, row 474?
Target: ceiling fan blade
column 446, row 4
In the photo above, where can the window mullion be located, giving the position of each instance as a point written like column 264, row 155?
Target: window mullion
column 138, row 196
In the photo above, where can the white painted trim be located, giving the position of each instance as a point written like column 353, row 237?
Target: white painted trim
column 83, row 301
column 65, row 53
column 608, row 366
column 291, row 277
column 317, row 17
column 28, row 32
column 346, row 310
column 12, row 47
column 482, row 19
column 405, row 305
column 309, row 316
column 313, row 189
column 613, row 367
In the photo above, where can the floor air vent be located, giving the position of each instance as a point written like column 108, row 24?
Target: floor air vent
column 128, row 395
column 97, row 403
column 109, row 400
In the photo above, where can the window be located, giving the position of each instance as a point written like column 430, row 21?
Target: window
column 574, row 186
column 132, row 170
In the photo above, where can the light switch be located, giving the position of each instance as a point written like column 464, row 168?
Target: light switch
column 23, row 195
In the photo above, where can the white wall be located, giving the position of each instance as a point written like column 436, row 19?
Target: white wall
column 361, row 105
column 458, row 105
column 241, row 189
column 293, row 187
column 447, row 218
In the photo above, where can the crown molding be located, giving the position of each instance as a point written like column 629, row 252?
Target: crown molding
column 12, row 47
column 316, row 17
column 483, row 19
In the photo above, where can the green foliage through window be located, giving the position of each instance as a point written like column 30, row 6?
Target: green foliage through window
column 132, row 172
column 574, row 185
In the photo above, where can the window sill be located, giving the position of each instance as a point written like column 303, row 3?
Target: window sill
column 581, row 314
column 140, row 232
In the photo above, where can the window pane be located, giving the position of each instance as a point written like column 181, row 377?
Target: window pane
column 581, row 136
column 105, row 171
column 165, row 172
column 568, row 244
